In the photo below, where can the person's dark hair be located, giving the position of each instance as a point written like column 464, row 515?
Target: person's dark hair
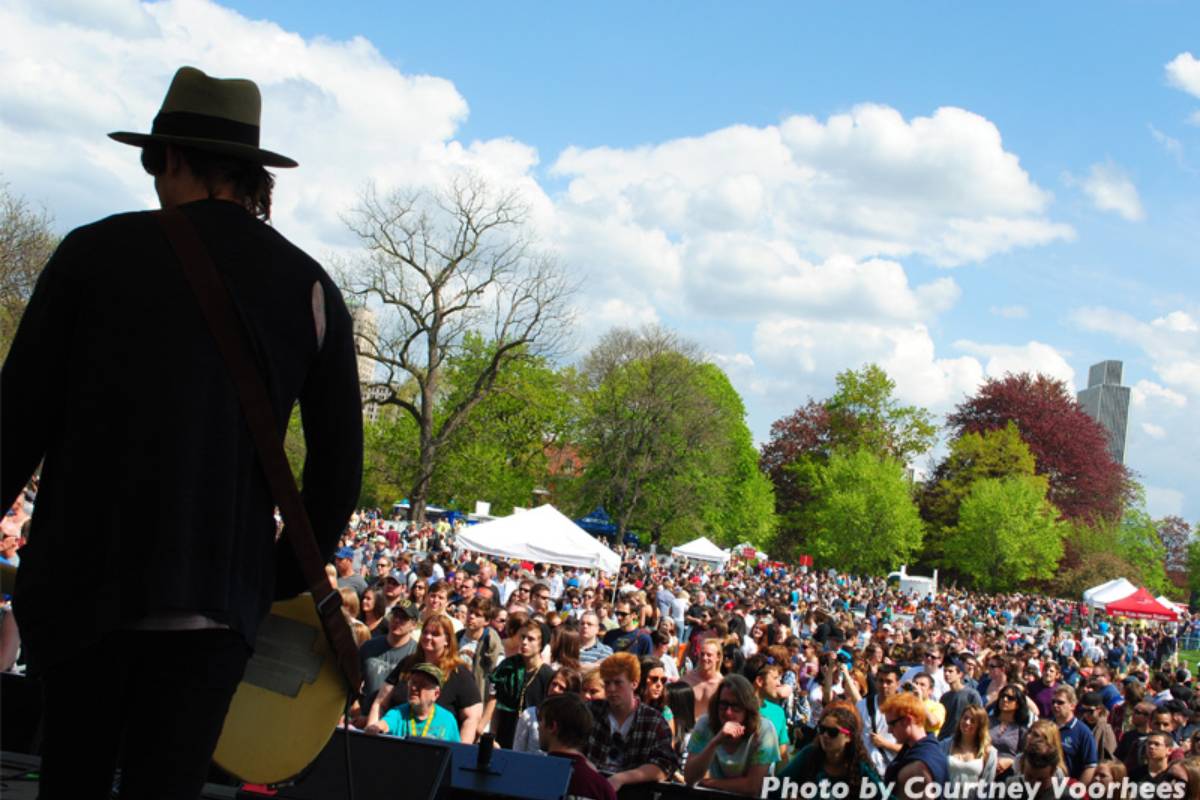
column 573, row 678
column 681, row 699
column 516, row 620
column 251, row 182
column 380, row 607
column 480, row 605
column 735, row 658
column 649, row 663
column 1021, row 715
column 564, row 647
column 890, row 669
column 758, row 664
column 846, row 716
column 746, row 698
column 571, row 717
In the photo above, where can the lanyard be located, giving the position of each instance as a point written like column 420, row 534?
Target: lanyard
column 412, row 725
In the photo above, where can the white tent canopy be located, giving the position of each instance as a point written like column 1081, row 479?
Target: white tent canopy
column 543, row 534
column 701, row 550
column 1110, row 592
column 1171, row 604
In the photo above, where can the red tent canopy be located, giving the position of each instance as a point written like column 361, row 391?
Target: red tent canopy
column 1141, row 605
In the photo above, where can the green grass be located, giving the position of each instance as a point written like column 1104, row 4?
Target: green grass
column 1191, row 658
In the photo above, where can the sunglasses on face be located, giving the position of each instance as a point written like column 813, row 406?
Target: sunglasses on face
column 832, row 731
column 655, row 678
column 724, row 705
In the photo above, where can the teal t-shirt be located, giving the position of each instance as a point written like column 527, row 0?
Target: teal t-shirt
column 773, row 712
column 400, row 723
column 762, row 748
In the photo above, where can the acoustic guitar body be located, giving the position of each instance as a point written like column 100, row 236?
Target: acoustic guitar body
column 289, row 701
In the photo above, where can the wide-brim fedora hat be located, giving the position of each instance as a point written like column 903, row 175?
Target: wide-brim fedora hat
column 217, row 115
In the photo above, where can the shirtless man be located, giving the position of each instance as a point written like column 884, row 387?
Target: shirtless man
column 705, row 679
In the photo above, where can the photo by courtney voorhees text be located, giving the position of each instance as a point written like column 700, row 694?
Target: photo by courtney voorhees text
column 1061, row 789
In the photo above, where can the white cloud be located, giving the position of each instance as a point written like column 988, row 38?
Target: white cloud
column 1146, row 392
column 1172, row 342
column 1183, row 72
column 1010, row 312
column 812, row 351
column 1154, row 431
column 1110, row 189
column 863, row 184
column 1034, row 357
column 77, row 69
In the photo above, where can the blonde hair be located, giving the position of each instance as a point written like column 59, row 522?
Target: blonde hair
column 1048, row 731
column 983, row 739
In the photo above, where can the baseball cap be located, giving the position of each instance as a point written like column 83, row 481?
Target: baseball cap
column 344, row 552
column 432, row 671
column 407, row 609
column 397, row 576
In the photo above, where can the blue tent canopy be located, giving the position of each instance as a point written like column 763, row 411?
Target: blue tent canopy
column 598, row 522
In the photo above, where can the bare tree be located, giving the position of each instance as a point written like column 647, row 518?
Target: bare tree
column 439, row 265
column 26, row 243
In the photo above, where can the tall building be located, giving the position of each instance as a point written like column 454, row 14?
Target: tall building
column 1107, row 401
column 363, row 320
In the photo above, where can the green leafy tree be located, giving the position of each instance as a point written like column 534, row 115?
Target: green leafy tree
column 1138, row 543
column 863, row 518
column 718, row 490
column 1007, row 535
column 500, row 454
column 998, row 453
column 864, row 414
column 665, row 442
column 1094, row 570
column 1193, row 564
column 861, row 414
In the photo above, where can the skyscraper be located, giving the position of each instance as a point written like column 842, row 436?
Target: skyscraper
column 1107, row 401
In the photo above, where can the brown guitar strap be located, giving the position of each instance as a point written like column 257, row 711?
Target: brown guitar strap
column 230, row 336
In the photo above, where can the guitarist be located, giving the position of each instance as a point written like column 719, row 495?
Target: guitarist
column 115, row 385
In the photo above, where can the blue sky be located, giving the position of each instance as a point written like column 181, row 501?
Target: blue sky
column 1044, row 220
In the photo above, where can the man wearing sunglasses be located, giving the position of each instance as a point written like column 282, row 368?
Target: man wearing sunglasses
column 1079, row 747
column 628, row 637
column 921, row 760
column 1093, row 713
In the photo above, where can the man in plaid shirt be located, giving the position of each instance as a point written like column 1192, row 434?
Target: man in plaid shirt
column 630, row 741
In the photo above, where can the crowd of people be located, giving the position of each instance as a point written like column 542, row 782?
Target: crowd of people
column 757, row 679
column 762, row 679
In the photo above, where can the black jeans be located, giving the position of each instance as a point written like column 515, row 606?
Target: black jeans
column 151, row 702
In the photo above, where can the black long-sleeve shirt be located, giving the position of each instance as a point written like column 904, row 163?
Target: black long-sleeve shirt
column 152, row 499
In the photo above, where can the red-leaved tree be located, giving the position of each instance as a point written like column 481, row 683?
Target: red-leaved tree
column 1070, row 447
column 1176, row 535
column 807, row 431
